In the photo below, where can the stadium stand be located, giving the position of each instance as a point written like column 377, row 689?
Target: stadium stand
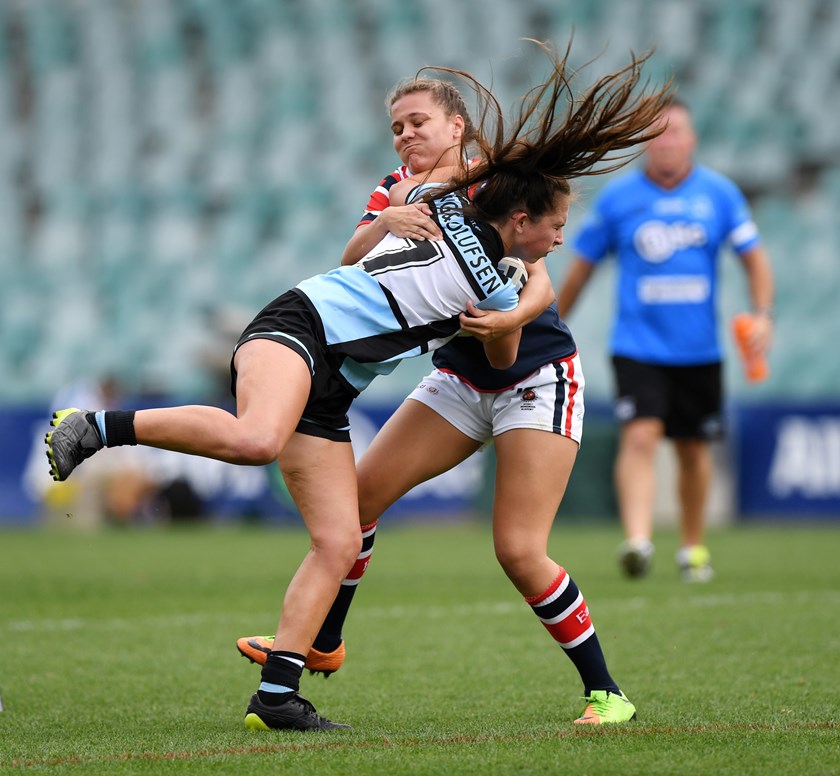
column 167, row 159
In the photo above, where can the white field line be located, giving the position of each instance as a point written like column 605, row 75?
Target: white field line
column 204, row 619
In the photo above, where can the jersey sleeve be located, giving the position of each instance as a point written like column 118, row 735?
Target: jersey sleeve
column 381, row 198
column 502, row 299
column 741, row 231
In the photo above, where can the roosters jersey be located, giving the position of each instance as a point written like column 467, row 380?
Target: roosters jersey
column 381, row 196
column 403, row 298
column 545, row 340
column 667, row 243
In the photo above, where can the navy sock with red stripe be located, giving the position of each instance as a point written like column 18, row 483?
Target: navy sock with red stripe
column 565, row 615
column 329, row 637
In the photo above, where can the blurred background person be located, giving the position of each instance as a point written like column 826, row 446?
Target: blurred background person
column 667, row 224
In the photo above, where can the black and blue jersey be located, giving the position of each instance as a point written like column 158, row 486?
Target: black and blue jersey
column 404, row 297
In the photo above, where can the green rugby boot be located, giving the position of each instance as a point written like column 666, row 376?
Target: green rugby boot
column 606, row 708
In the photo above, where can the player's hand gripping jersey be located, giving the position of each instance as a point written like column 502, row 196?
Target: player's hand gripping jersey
column 404, row 297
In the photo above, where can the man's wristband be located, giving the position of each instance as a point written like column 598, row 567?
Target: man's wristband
column 764, row 312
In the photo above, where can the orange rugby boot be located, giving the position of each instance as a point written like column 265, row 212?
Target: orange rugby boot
column 256, row 649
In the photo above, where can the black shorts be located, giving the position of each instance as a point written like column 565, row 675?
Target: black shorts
column 688, row 399
column 289, row 320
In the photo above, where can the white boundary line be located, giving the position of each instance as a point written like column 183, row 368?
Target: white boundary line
column 768, row 598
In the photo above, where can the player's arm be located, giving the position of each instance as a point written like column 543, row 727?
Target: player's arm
column 413, row 221
column 536, row 295
column 760, row 280
column 501, row 351
column 576, row 278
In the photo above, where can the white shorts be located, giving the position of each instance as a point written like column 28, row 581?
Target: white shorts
column 550, row 399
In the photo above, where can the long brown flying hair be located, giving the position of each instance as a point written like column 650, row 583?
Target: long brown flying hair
column 556, row 136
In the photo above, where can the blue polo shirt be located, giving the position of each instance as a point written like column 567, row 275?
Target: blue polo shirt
column 667, row 243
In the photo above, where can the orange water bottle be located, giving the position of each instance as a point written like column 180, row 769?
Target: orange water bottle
column 755, row 364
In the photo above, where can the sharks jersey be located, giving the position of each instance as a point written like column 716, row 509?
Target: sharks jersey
column 544, row 340
column 403, row 298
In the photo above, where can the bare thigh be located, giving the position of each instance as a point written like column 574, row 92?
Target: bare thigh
column 272, row 388
column 532, row 472
column 414, row 445
column 321, row 477
column 272, row 391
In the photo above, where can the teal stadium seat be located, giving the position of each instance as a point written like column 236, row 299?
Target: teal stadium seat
column 169, row 154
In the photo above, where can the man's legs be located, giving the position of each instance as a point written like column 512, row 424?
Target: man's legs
column 695, row 477
column 635, row 481
column 694, row 460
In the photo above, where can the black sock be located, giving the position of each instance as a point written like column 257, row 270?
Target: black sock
column 280, row 677
column 119, row 428
column 329, row 637
column 592, row 666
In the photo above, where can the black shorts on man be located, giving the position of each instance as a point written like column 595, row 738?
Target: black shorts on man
column 688, row 399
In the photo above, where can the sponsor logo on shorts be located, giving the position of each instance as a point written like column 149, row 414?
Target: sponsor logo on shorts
column 711, row 427
column 625, row 408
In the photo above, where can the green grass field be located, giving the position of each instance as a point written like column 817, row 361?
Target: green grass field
column 117, row 656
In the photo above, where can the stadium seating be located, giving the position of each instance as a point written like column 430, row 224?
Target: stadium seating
column 168, row 158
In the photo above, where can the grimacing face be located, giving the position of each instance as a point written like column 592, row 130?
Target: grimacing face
column 538, row 237
column 424, row 136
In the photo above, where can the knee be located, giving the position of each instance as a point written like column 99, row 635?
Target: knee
column 350, row 545
column 256, row 449
column 693, row 453
column 640, row 437
column 341, row 547
column 516, row 559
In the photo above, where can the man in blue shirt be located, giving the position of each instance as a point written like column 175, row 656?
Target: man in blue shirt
column 667, row 224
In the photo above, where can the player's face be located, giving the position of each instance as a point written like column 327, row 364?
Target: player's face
column 537, row 237
column 673, row 150
column 424, row 136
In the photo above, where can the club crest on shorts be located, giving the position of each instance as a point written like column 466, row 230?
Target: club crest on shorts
column 528, row 398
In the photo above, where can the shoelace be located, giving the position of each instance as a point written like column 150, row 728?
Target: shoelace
column 310, row 709
column 599, row 705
